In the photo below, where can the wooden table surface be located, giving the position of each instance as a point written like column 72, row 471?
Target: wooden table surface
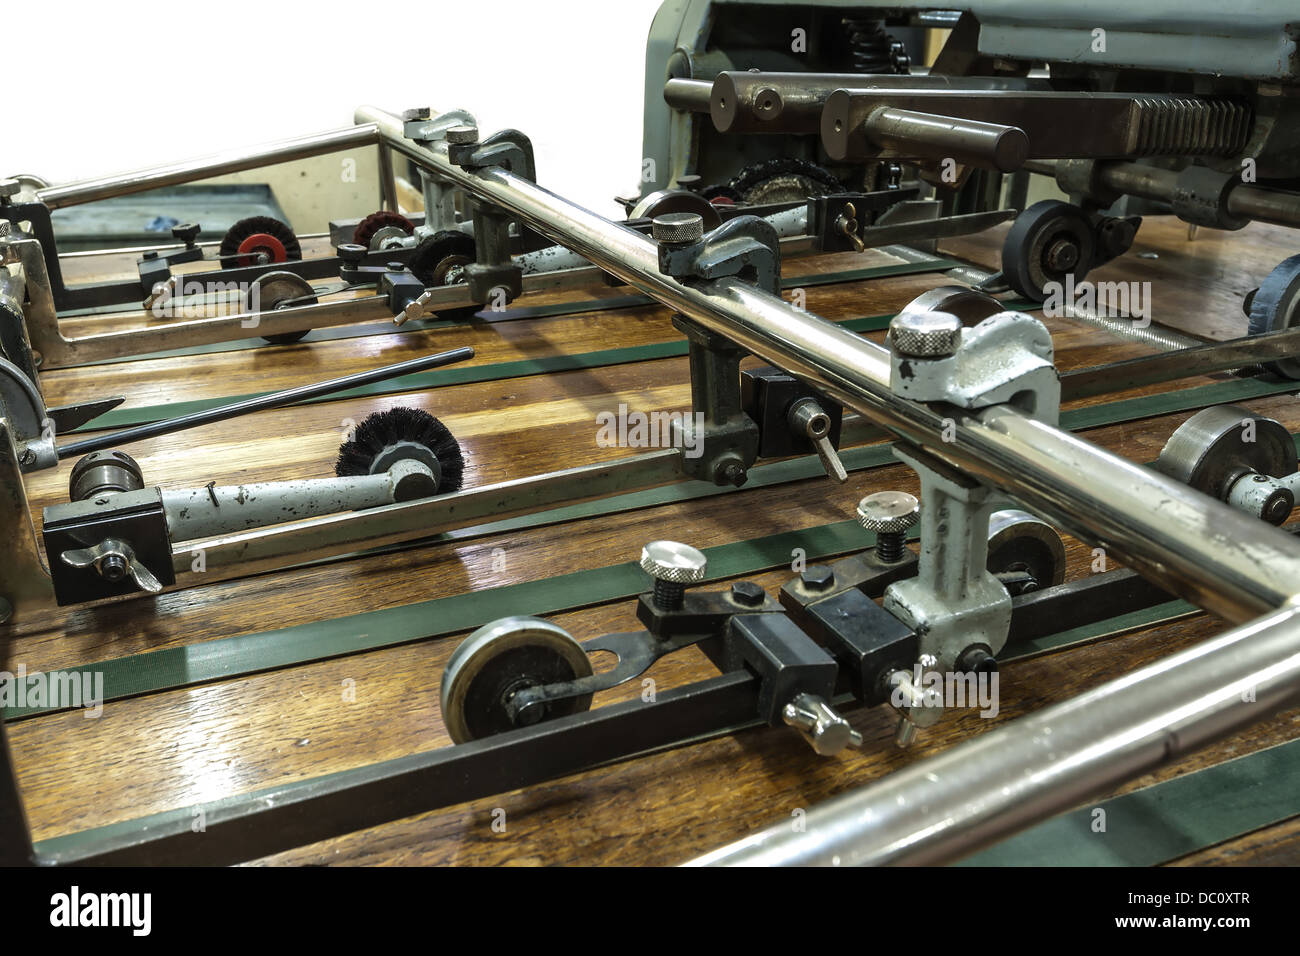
column 176, row 749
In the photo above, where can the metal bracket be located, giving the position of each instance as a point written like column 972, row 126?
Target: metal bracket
column 746, row 246
column 1006, row 358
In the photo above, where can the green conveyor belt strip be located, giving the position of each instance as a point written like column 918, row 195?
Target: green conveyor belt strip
column 607, row 304
column 1166, row 820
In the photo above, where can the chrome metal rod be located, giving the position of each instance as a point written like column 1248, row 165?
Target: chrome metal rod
column 218, row 164
column 937, row 137
column 288, row 396
column 1202, row 549
column 689, row 95
column 987, row 788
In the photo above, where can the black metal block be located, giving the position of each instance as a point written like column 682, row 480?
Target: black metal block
column 766, row 395
column 134, row 517
column 868, row 640
column 787, row 661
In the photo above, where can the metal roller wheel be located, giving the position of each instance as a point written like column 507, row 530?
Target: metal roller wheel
column 1048, row 241
column 1023, row 545
column 1209, row 452
column 676, row 200
column 1276, row 306
column 969, row 305
column 273, row 289
column 499, row 660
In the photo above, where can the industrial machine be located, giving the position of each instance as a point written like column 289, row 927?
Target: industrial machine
column 771, row 129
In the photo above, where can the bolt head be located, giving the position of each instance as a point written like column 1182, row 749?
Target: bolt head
column 747, row 593
column 888, row 512
column 925, row 335
column 673, row 561
column 677, row 228
column 463, row 133
column 10, row 187
column 417, row 114
column 819, row 577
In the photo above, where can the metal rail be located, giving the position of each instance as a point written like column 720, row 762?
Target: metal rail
column 981, row 791
column 1206, row 552
column 218, row 164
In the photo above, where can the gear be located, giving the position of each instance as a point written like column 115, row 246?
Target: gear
column 367, row 227
column 872, row 50
column 258, row 240
column 403, row 432
column 783, row 179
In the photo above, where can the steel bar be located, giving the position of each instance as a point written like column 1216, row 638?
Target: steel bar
column 689, row 95
column 1152, row 182
column 1182, row 363
column 740, row 101
column 219, row 164
column 1155, row 525
column 985, row 789
column 270, row 549
column 1057, row 124
column 249, row 826
column 288, row 396
column 936, row 137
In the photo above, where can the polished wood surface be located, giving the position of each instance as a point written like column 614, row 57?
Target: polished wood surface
column 179, row 748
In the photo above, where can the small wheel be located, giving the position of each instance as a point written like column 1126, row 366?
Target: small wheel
column 272, row 289
column 1210, row 451
column 258, row 240
column 969, row 305
column 1048, row 241
column 1020, row 542
column 676, row 200
column 436, row 256
column 367, row 228
column 499, row 660
column 1276, row 306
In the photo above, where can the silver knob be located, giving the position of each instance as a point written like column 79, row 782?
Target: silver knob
column 677, row 228
column 917, row 706
column 925, row 335
column 888, row 514
column 673, row 566
column 821, row 726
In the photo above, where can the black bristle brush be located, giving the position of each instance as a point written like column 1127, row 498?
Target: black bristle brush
column 382, row 429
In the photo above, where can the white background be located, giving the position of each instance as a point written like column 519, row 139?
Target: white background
column 93, row 89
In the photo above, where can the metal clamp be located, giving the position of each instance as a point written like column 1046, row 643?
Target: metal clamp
column 746, row 246
column 1006, row 358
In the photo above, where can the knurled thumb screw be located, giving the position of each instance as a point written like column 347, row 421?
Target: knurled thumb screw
column 889, row 514
column 673, row 566
column 677, row 228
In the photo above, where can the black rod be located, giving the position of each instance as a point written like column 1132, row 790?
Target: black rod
column 289, row 396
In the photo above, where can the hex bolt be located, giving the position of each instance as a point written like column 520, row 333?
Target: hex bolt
column 673, row 566
column 417, row 114
column 748, row 593
column 8, row 189
column 819, row 577
column 925, row 335
column 677, row 228
column 462, row 134
column 889, row 514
